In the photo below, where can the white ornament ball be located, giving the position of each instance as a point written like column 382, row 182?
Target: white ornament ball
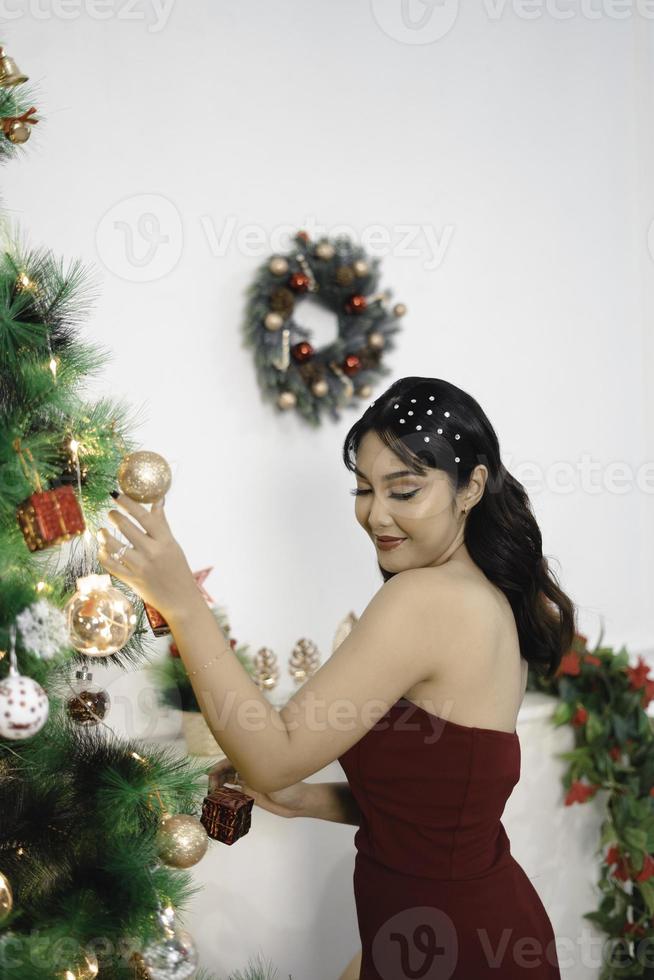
column 325, row 250
column 361, row 267
column 287, row 399
column 278, row 265
column 24, row 707
column 320, row 388
column 273, row 321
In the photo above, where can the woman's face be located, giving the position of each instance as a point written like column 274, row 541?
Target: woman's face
column 431, row 528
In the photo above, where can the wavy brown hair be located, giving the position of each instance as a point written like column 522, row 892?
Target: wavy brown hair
column 501, row 532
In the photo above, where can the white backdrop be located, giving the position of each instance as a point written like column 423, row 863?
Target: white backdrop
column 500, row 157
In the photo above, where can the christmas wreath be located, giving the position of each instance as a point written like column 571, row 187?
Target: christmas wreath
column 343, row 279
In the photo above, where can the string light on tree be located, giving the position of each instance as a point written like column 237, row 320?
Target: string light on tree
column 100, row 618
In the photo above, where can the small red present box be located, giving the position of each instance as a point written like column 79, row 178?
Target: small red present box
column 227, row 814
column 49, row 517
column 157, row 623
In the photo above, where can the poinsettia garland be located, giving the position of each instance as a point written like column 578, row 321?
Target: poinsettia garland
column 605, row 699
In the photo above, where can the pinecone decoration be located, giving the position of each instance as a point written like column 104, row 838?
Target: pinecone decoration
column 345, row 275
column 303, row 661
column 282, row 300
column 266, row 671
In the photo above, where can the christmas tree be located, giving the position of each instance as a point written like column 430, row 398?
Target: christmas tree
column 97, row 832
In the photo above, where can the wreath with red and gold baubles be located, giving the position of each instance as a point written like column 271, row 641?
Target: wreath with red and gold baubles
column 339, row 275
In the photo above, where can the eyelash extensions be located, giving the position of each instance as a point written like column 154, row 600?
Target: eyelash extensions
column 398, row 496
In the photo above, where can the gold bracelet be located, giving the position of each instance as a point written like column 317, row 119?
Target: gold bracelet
column 209, row 662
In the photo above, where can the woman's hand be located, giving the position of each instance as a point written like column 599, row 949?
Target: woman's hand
column 153, row 564
column 287, row 802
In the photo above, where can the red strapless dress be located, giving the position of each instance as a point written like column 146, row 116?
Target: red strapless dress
column 438, row 894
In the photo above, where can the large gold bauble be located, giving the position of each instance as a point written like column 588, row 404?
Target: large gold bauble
column 144, row 476
column 399, row 309
column 6, row 898
column 181, row 841
column 100, row 618
column 88, row 969
column 361, row 267
column 18, row 132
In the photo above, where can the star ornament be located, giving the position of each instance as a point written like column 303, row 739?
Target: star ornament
column 199, row 578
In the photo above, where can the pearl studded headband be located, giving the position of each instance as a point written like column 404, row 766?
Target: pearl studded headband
column 429, row 411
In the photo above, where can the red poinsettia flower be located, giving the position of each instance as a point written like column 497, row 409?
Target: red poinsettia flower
column 590, row 658
column 570, row 664
column 648, row 693
column 622, row 870
column 580, row 792
column 580, row 717
column 647, row 870
column 651, row 792
column 638, row 675
column 615, row 752
column 633, row 928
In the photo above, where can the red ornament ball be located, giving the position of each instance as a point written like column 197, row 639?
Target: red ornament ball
column 351, row 364
column 299, row 282
column 302, row 351
column 303, row 235
column 356, row 304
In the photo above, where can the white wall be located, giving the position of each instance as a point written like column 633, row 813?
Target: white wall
column 522, row 144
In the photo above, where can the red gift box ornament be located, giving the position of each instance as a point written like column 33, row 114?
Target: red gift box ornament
column 47, row 517
column 158, row 624
column 227, row 813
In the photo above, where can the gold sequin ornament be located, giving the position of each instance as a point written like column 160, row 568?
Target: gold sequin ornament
column 144, row 476
column 181, row 840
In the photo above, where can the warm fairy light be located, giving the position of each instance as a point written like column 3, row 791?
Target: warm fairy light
column 53, row 367
column 25, row 280
column 135, row 755
column 40, row 586
column 3, row 653
column 74, row 445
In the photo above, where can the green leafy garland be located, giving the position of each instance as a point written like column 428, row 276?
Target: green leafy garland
column 343, row 279
column 605, row 701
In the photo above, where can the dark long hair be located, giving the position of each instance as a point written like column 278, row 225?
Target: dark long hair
column 429, row 422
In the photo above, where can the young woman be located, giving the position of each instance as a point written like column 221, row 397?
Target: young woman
column 432, row 675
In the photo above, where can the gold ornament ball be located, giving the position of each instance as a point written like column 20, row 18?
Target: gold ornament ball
column 6, row 898
column 365, row 391
column 287, row 400
column 144, row 476
column 325, row 250
column 399, row 309
column 278, row 265
column 376, row 340
column 99, row 617
column 273, row 321
column 19, row 132
column 320, row 388
column 181, row 841
column 361, row 267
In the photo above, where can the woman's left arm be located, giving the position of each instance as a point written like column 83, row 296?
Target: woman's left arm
column 391, row 648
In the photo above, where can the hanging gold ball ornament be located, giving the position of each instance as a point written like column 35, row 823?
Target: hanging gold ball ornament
column 6, row 898
column 287, row 400
column 144, row 476
column 399, row 309
column 273, row 321
column 100, row 618
column 320, row 388
column 361, row 268
column 325, row 251
column 376, row 340
column 365, row 391
column 181, row 840
column 18, row 132
column 278, row 265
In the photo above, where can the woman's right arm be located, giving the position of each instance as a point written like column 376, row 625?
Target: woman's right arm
column 329, row 801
